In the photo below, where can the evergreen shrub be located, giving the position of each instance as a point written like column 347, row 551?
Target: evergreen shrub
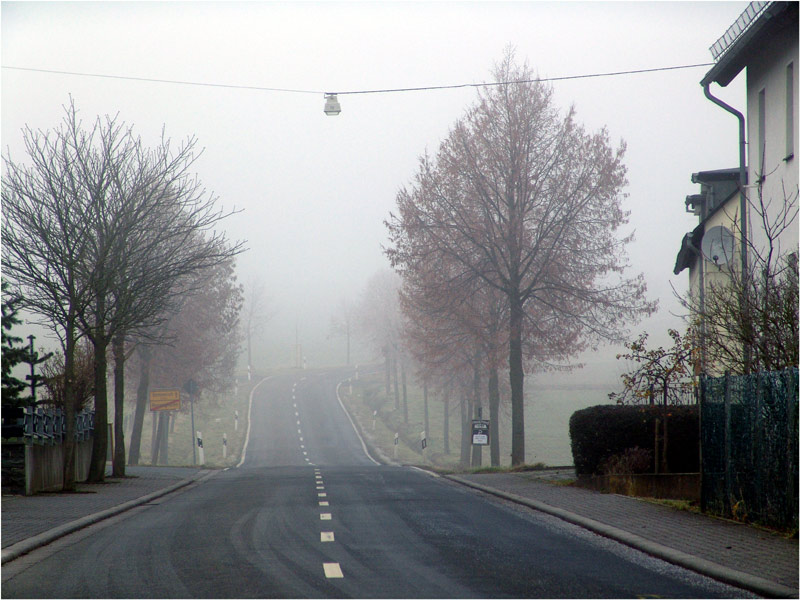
column 600, row 432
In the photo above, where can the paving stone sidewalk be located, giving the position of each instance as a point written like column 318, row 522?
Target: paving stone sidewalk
column 739, row 547
column 26, row 516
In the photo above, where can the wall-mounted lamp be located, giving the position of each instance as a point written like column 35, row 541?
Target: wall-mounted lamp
column 332, row 107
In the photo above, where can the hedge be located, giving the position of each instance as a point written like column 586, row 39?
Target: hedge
column 600, row 432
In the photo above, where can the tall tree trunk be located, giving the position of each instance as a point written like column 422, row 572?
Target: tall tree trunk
column 142, row 392
column 69, row 406
column 396, row 384
column 118, row 463
column 388, row 371
column 516, row 377
column 477, row 413
column 348, row 342
column 249, row 352
column 97, row 469
column 405, row 392
column 425, row 406
column 154, row 447
column 466, row 409
column 446, row 425
column 494, row 417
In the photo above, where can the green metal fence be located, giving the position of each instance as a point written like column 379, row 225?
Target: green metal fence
column 749, row 447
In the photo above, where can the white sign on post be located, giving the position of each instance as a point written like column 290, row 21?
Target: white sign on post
column 480, row 433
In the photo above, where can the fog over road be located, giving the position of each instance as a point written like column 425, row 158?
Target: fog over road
column 309, row 514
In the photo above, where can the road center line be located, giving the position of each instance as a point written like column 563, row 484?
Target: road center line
column 326, row 536
column 325, row 516
column 332, row 570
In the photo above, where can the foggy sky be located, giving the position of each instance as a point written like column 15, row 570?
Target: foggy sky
column 315, row 189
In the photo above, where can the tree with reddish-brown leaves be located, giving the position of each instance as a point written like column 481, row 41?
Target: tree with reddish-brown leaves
column 201, row 341
column 527, row 202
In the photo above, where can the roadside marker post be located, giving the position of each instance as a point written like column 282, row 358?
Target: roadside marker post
column 224, row 445
column 200, row 450
column 396, row 442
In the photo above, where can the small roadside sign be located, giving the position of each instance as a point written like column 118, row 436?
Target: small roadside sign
column 480, row 433
column 165, row 400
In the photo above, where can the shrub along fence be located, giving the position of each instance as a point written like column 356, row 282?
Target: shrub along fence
column 33, row 450
column 749, row 441
column 598, row 434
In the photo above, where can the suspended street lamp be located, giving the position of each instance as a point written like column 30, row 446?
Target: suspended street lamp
column 332, row 107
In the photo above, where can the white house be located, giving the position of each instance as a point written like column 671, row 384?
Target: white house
column 764, row 41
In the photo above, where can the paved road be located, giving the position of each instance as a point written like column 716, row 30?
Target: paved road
column 309, row 514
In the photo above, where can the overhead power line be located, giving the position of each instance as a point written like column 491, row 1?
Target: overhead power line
column 376, row 91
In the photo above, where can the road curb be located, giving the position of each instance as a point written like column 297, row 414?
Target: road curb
column 14, row 551
column 749, row 582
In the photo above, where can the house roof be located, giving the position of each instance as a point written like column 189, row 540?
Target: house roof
column 687, row 254
column 747, row 37
column 726, row 183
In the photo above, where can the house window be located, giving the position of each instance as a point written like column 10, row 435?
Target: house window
column 789, row 112
column 762, row 127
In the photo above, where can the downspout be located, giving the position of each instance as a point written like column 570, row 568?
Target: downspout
column 742, row 198
column 742, row 171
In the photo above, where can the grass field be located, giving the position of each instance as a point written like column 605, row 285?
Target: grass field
column 547, row 413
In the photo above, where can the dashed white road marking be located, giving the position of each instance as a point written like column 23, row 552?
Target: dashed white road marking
column 324, row 503
column 326, row 536
column 332, row 570
column 322, row 495
column 320, row 487
column 325, row 516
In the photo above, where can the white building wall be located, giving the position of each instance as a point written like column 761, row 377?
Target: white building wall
column 768, row 74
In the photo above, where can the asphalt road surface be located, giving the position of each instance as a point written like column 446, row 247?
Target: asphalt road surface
column 309, row 514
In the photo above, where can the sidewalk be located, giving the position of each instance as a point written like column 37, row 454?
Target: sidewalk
column 743, row 556
column 29, row 522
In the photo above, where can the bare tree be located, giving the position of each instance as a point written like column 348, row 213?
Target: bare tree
column 528, row 203
column 118, row 226
column 257, row 311
column 200, row 341
column 749, row 321
column 47, row 241
column 343, row 324
column 380, row 321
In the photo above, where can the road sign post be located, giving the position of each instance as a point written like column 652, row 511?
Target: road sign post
column 480, row 433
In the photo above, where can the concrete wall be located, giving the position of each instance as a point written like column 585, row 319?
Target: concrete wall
column 44, row 466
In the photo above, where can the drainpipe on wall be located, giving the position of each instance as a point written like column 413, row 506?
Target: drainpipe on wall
column 742, row 198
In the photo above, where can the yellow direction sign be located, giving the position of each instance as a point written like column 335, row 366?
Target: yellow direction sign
column 165, row 400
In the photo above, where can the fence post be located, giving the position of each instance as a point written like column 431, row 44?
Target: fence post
column 791, row 444
column 701, row 400
column 727, row 442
